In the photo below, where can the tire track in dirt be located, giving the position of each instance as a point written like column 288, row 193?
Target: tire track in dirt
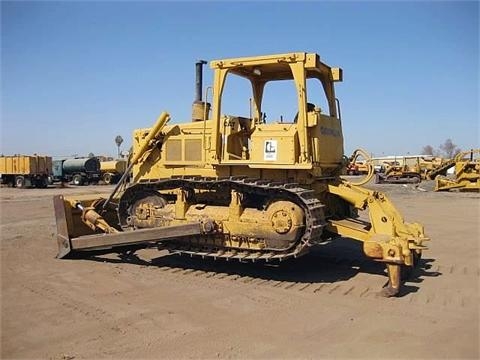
column 362, row 288
column 326, row 272
column 249, row 281
column 75, row 305
column 108, row 319
column 108, row 325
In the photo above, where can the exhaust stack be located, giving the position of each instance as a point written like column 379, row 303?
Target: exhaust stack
column 199, row 79
column 200, row 109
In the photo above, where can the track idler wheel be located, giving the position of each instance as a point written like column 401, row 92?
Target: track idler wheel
column 284, row 215
column 142, row 209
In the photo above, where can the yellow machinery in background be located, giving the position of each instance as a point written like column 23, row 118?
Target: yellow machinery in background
column 399, row 173
column 431, row 168
column 229, row 186
column 357, row 168
column 112, row 170
column 25, row 170
column 467, row 173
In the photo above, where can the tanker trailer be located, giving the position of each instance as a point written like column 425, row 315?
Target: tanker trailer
column 78, row 171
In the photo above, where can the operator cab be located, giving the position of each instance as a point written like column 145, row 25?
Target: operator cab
column 299, row 139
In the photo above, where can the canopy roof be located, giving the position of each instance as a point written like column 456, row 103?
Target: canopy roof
column 276, row 67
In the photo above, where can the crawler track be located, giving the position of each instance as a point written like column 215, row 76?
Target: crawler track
column 305, row 198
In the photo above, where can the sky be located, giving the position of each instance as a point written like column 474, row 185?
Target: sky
column 74, row 75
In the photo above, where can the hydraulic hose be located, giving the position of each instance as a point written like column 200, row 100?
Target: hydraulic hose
column 368, row 163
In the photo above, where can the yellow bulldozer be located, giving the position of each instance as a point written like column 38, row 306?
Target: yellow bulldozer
column 229, row 187
column 467, row 173
column 431, row 167
column 399, row 173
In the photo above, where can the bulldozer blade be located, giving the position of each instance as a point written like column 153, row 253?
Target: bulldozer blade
column 63, row 241
column 137, row 237
column 102, row 241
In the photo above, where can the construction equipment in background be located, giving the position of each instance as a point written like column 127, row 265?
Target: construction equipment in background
column 437, row 166
column 25, row 170
column 362, row 167
column 399, row 173
column 78, row 171
column 357, row 168
column 428, row 167
column 239, row 187
column 351, row 169
column 467, row 173
column 112, row 171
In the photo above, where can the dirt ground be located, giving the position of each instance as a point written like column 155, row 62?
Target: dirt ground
column 323, row 305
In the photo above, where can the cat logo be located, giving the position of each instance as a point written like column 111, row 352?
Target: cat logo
column 270, row 150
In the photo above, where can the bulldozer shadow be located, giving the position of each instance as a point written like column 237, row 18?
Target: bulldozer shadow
column 337, row 260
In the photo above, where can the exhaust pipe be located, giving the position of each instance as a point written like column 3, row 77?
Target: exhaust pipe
column 198, row 108
column 199, row 79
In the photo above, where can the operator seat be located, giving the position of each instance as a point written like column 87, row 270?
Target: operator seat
column 310, row 107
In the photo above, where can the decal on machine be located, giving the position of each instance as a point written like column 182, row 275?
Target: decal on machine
column 270, row 150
